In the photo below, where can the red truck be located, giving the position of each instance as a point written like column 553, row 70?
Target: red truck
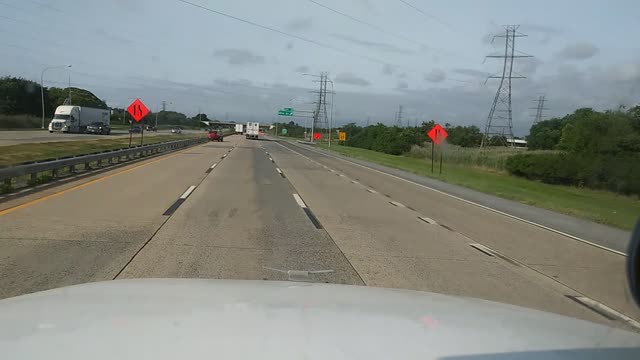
column 215, row 135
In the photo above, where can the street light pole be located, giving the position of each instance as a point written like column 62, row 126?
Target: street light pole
column 42, row 86
column 331, row 114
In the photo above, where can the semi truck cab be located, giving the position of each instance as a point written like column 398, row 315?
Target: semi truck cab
column 65, row 119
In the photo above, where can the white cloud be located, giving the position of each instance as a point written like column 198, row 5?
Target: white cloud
column 436, row 75
column 299, row 24
column 373, row 44
column 578, row 51
column 234, row 82
column 239, row 56
column 402, row 85
column 471, row 72
column 351, row 79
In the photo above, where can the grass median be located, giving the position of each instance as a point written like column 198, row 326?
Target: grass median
column 600, row 206
column 15, row 154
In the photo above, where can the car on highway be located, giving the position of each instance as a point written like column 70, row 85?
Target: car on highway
column 136, row 129
column 176, row 130
column 98, row 128
column 215, row 135
column 151, row 128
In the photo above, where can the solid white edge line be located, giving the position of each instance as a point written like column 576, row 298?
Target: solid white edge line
column 278, row 170
column 428, row 220
column 299, row 201
column 604, row 308
column 476, row 204
column 188, row 192
column 213, row 166
column 397, row 204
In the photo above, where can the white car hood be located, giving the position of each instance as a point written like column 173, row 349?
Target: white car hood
column 235, row 319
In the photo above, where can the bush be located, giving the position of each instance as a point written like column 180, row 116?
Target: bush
column 20, row 122
column 620, row 174
column 6, row 188
column 40, row 180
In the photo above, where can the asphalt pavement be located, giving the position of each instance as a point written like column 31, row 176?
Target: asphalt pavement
column 244, row 209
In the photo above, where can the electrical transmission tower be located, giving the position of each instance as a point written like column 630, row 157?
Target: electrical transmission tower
column 539, row 108
column 320, row 116
column 500, row 122
column 399, row 116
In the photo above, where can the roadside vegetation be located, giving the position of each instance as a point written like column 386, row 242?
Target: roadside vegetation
column 586, row 164
column 604, row 207
column 16, row 154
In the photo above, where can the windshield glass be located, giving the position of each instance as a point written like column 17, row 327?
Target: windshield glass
column 487, row 150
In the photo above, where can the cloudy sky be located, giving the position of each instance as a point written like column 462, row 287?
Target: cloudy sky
column 428, row 56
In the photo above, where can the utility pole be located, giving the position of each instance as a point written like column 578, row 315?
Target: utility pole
column 538, row 116
column 70, row 103
column 368, row 118
column 399, row 116
column 500, row 120
column 320, row 116
column 164, row 106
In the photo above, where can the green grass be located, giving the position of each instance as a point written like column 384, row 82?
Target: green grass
column 14, row 154
column 600, row 206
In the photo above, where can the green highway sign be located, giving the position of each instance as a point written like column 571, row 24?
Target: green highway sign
column 285, row 112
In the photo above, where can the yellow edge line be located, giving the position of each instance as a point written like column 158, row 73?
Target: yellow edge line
column 80, row 186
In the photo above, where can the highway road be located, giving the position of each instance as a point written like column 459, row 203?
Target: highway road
column 240, row 209
column 11, row 137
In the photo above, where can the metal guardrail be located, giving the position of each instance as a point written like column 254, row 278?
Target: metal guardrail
column 55, row 168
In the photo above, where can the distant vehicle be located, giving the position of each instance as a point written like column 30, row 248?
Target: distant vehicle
column 253, row 130
column 176, row 130
column 239, row 129
column 151, row 128
column 136, row 129
column 75, row 119
column 215, row 135
column 98, row 128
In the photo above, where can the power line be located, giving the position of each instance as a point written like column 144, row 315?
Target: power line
column 301, row 38
column 426, row 14
column 375, row 27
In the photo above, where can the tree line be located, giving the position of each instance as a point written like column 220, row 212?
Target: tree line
column 21, row 106
column 599, row 150
column 23, row 97
column 394, row 140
